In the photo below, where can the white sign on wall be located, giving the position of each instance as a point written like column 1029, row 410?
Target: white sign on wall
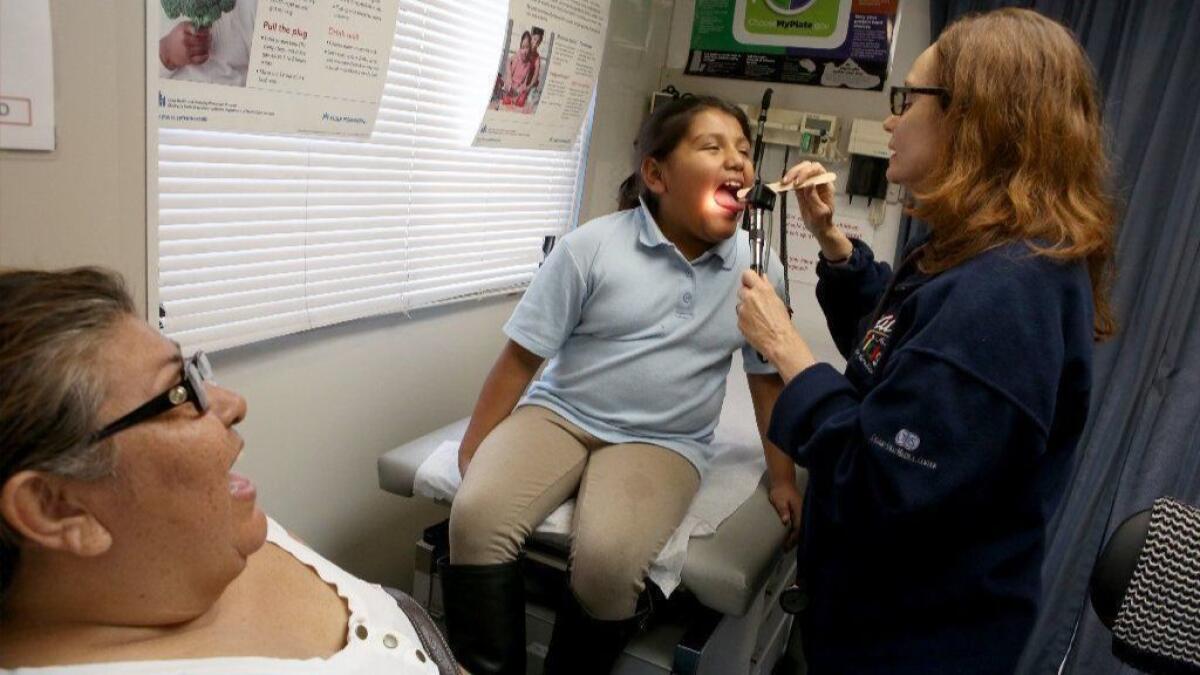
column 26, row 76
column 547, row 72
column 852, row 219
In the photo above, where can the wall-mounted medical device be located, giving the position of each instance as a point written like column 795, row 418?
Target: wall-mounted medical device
column 818, row 135
column 667, row 94
column 815, row 135
column 869, row 154
column 868, row 137
column 868, row 160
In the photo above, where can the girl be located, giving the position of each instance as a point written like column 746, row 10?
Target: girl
column 936, row 460
column 635, row 311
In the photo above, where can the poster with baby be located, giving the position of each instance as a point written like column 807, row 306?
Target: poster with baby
column 547, row 70
column 281, row 66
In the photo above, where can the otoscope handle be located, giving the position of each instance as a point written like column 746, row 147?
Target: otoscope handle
column 758, row 246
column 761, row 199
column 762, row 124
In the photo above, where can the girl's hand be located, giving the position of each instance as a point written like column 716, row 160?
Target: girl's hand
column 816, row 203
column 464, row 459
column 767, row 326
column 789, row 505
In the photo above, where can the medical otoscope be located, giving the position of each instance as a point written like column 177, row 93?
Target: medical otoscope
column 761, row 199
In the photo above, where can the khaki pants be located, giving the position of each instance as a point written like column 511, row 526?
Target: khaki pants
column 631, row 497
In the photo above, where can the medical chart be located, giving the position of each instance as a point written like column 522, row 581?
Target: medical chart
column 283, row 66
column 546, row 72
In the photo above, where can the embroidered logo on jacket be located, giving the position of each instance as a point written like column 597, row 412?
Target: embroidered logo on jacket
column 875, row 342
column 904, row 447
column 908, row 440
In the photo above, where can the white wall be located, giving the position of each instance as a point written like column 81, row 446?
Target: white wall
column 84, row 203
column 323, row 405
column 638, row 34
column 911, row 38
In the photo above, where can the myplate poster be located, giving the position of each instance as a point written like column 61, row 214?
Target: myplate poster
column 547, row 70
column 285, row 66
column 828, row 43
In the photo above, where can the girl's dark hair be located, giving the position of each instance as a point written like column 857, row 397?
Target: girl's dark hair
column 661, row 133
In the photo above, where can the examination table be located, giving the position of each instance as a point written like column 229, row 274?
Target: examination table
column 725, row 619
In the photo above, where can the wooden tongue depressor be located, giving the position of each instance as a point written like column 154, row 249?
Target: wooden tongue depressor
column 778, row 186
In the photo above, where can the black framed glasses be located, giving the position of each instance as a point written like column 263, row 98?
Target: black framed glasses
column 902, row 97
column 196, row 371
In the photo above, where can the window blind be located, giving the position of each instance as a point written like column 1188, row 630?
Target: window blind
column 265, row 235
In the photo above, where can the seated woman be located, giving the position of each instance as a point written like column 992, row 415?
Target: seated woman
column 126, row 539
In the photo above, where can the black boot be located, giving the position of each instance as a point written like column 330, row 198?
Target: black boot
column 485, row 616
column 584, row 645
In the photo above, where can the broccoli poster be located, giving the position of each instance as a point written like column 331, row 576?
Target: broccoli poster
column 285, row 66
column 829, row 43
column 546, row 73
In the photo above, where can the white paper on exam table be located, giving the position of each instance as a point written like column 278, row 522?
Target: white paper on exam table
column 735, row 467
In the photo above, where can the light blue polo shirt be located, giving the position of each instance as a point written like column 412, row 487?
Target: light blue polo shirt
column 639, row 338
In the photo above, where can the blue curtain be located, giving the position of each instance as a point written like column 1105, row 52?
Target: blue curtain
column 1143, row 436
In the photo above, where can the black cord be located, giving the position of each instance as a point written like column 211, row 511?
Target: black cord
column 783, row 236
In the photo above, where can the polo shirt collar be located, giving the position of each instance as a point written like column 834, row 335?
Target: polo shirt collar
column 651, row 236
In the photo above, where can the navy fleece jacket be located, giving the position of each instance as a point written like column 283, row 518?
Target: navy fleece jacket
column 937, row 458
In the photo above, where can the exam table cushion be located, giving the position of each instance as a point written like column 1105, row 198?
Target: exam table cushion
column 724, row 571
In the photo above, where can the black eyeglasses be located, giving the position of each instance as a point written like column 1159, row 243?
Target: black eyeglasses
column 902, row 97
column 196, row 371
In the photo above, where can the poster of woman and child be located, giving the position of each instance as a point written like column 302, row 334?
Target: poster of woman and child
column 523, row 67
column 550, row 55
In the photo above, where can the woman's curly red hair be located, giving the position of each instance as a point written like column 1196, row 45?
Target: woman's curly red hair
column 1024, row 156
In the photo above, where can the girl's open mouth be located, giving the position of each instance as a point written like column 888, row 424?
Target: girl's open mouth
column 726, row 196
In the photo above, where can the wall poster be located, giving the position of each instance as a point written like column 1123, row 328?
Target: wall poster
column 828, row 43
column 547, row 71
column 283, row 66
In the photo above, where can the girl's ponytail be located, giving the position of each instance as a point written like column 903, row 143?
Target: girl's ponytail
column 628, row 193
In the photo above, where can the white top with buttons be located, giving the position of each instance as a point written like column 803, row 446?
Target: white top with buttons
column 379, row 637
